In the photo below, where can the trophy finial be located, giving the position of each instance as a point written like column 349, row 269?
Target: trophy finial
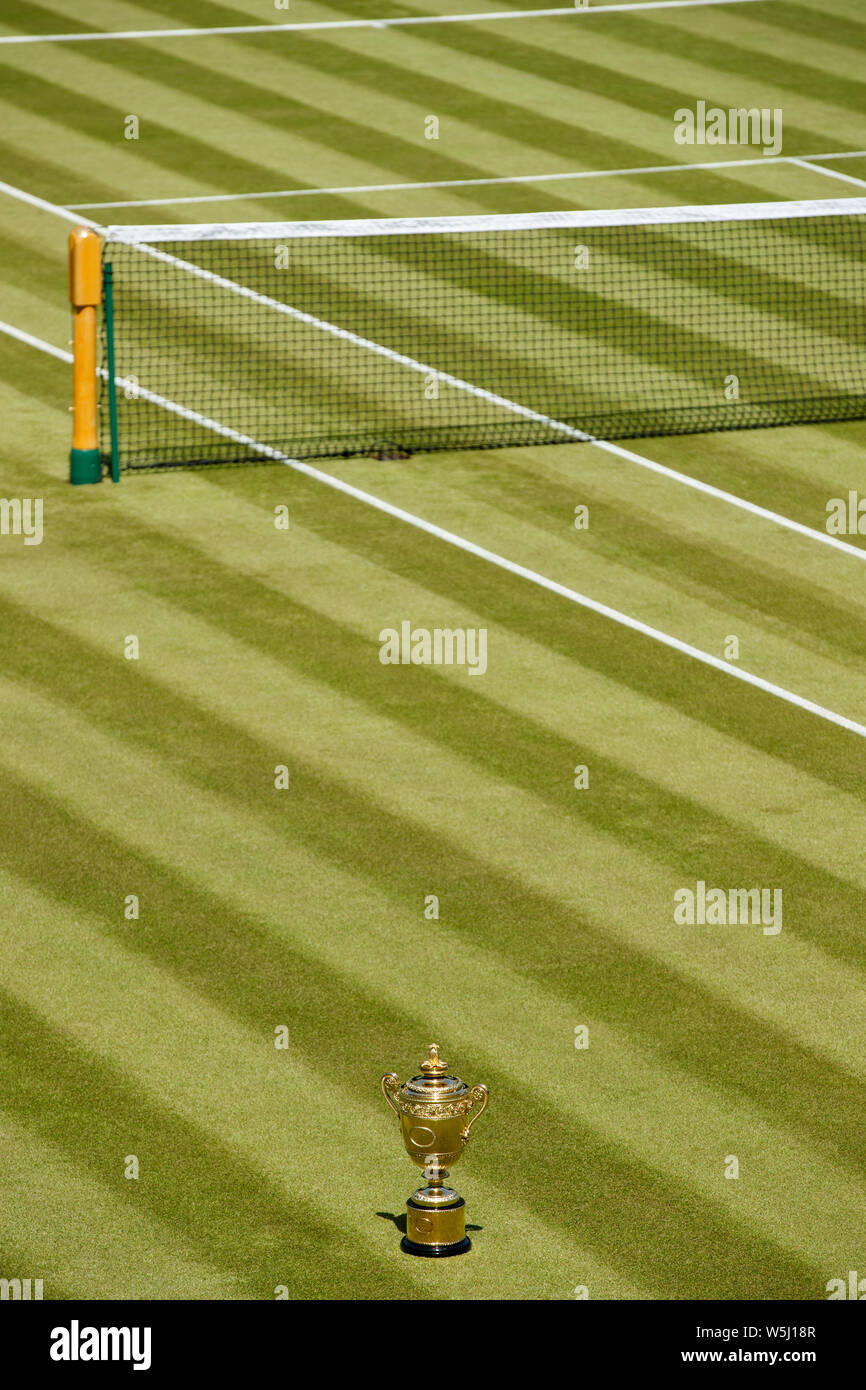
column 434, row 1066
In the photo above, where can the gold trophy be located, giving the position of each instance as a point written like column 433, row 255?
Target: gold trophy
column 433, row 1110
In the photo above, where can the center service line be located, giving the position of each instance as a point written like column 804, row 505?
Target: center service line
column 471, row 548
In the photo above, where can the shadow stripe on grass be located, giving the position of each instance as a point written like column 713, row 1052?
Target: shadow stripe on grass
column 598, row 149
column 742, row 62
column 714, row 571
column 536, row 933
column 817, row 23
column 676, row 831
column 229, row 1214
column 836, row 756
column 607, row 82
column 655, row 1230
column 183, row 152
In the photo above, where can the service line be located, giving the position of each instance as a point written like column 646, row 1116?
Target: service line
column 803, row 160
column 386, row 23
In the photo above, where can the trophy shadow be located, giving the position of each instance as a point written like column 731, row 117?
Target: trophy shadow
column 400, row 1221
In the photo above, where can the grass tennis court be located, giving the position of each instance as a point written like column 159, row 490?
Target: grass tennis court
column 258, row 648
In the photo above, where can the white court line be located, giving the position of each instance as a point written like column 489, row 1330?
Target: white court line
column 44, row 206
column 473, row 183
column 460, row 543
column 617, row 450
column 805, row 163
column 325, row 24
column 62, row 353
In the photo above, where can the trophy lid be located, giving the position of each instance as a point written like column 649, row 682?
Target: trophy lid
column 434, row 1083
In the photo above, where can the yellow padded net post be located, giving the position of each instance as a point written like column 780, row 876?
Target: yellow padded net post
column 85, row 293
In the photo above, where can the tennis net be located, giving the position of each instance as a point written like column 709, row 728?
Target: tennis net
column 390, row 336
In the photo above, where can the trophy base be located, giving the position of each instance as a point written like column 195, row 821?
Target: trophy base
column 436, row 1231
column 435, row 1251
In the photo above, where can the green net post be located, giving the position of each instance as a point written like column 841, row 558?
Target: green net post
column 108, row 289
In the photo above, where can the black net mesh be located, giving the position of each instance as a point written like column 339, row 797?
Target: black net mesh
column 321, row 345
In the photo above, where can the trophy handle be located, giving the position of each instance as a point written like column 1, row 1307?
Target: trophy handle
column 390, row 1084
column 478, row 1093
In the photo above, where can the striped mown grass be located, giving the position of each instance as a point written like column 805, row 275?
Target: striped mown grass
column 258, row 908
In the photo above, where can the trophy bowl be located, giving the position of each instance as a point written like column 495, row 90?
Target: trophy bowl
column 435, row 1111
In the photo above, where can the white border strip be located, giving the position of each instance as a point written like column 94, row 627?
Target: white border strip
column 451, row 538
column 481, row 182
column 181, row 232
column 318, row 25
